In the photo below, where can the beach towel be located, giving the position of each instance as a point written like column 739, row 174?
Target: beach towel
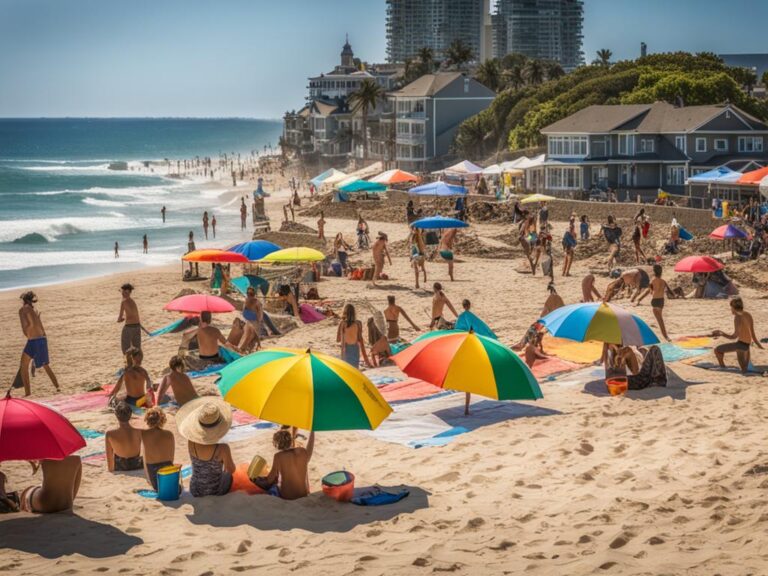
column 469, row 321
column 376, row 496
column 410, row 390
column 552, row 366
column 381, row 379
column 309, row 314
column 694, row 342
column 673, row 353
column 246, row 431
column 751, row 370
column 174, row 327
column 580, row 352
column 90, row 434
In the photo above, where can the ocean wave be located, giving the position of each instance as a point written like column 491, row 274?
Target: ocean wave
column 64, row 168
column 103, row 203
column 13, row 261
column 33, row 238
column 129, row 191
column 56, row 228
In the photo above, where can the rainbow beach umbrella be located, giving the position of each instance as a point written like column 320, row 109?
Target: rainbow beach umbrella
column 214, row 255
column 600, row 321
column 468, row 362
column 301, row 388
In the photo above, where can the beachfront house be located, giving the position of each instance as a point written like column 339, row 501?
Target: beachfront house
column 428, row 113
column 644, row 147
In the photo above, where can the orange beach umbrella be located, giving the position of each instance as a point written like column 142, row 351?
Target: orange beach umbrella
column 214, row 255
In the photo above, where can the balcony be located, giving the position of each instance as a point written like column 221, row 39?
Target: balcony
column 412, row 115
column 411, row 139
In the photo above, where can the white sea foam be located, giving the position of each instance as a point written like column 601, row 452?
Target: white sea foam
column 104, row 203
column 100, row 168
column 12, row 261
column 55, row 228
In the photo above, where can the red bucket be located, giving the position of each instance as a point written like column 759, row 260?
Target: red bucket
column 339, row 485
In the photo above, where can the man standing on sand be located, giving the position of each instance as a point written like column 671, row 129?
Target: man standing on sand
column 36, row 348
column 145, row 243
column 743, row 333
column 117, row 250
column 213, row 226
column 162, row 212
column 321, row 227
column 243, row 214
column 205, row 224
column 129, row 313
column 392, row 315
column 439, row 301
column 447, row 240
column 379, row 251
column 658, row 289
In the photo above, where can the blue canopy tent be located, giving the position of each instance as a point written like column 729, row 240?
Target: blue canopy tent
column 363, row 186
column 438, row 189
column 721, row 174
column 255, row 249
column 317, row 180
column 439, row 223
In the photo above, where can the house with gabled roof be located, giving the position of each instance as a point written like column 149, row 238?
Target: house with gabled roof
column 650, row 146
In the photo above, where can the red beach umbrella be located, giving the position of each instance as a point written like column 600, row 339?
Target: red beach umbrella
column 698, row 264
column 727, row 232
column 196, row 303
column 32, row 431
column 215, row 255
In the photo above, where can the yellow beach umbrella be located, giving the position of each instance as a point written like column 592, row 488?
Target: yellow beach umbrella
column 537, row 198
column 309, row 390
column 293, row 255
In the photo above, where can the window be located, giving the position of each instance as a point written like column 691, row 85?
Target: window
column 626, row 145
column 701, row 144
column 418, row 151
column 721, row 145
column 646, row 145
column 564, row 178
column 567, row 146
column 680, row 143
column 750, row 143
column 417, row 128
column 676, row 175
column 599, row 175
column 403, row 128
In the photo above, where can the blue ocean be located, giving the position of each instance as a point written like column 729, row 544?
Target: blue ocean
column 70, row 188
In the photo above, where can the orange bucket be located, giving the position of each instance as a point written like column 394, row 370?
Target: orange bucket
column 339, row 485
column 617, row 386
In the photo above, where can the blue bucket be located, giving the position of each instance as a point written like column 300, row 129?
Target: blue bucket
column 168, row 482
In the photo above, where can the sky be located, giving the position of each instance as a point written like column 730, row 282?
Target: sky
column 251, row 58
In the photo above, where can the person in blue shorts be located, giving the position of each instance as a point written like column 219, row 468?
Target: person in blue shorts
column 36, row 349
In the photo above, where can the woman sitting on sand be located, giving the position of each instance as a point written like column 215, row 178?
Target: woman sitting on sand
column 159, row 445
column 203, row 422
column 123, row 444
column 643, row 367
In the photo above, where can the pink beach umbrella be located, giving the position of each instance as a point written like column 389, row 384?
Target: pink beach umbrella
column 196, row 303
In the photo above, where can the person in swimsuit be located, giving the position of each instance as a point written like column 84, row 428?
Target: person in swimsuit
column 191, row 248
column 36, row 349
column 123, row 444
column 136, row 379
column 205, row 224
column 253, row 314
column 159, row 445
column 588, row 289
column 61, row 483
column 658, row 290
column 637, row 235
column 213, row 225
column 291, row 306
column 418, row 254
column 392, row 315
column 569, row 245
column 209, row 338
column 350, row 336
column 584, row 227
column 341, row 249
column 9, row 501
column 543, row 246
column 447, row 240
column 379, row 251
column 288, row 478
column 130, row 337
column 203, row 422
column 439, row 302
column 553, row 302
column 612, row 234
column 743, row 334
column 321, row 227
column 145, row 243
column 635, row 280
column 178, row 382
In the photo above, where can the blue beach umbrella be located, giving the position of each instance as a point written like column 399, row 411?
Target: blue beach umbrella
column 255, row 249
column 438, row 189
column 242, row 283
column 438, row 223
column 600, row 321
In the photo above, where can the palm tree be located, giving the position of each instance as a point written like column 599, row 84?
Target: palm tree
column 514, row 77
column 534, row 72
column 427, row 60
column 367, row 96
column 554, row 70
column 459, row 53
column 604, row 57
column 489, row 74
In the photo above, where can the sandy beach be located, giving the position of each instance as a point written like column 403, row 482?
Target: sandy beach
column 662, row 481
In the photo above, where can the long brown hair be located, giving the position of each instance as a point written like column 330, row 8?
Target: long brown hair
column 348, row 315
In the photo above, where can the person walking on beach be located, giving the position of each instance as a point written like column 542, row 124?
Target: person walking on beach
column 379, row 250
column 117, row 250
column 243, row 214
column 129, row 313
column 392, row 316
column 447, row 240
column 205, row 224
column 321, row 226
column 658, row 290
column 743, row 334
column 36, row 348
column 145, row 243
column 418, row 254
column 213, row 226
column 191, row 248
column 162, row 212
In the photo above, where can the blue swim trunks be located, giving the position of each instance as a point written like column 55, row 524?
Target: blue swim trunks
column 37, row 349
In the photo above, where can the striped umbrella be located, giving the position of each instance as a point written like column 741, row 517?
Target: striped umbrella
column 601, row 321
column 467, row 362
column 309, row 390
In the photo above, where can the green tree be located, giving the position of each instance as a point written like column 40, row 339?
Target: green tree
column 553, row 70
column 363, row 100
column 489, row 74
column 427, row 60
column 458, row 53
column 513, row 59
column 604, row 57
column 534, row 72
column 514, row 77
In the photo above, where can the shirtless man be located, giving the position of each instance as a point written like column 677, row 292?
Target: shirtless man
column 743, row 333
column 321, row 226
column 447, row 240
column 136, row 379
column 553, row 301
column 392, row 315
column 418, row 254
column 253, row 314
column 439, row 301
column 129, row 313
column 123, row 444
column 208, row 338
column 634, row 279
column 588, row 289
column 36, row 348
column 658, row 290
column 379, row 250
column 61, row 482
column 289, row 474
column 205, row 224
column 178, row 382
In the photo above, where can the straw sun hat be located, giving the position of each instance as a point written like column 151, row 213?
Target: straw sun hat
column 204, row 420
